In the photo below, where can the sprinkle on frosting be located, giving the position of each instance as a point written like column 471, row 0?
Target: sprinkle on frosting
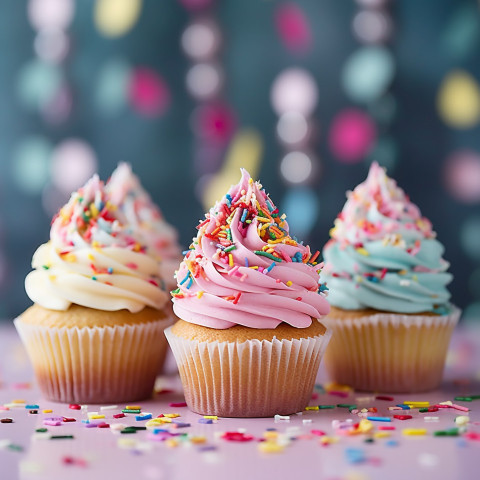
column 383, row 254
column 247, row 268
column 137, row 209
column 94, row 259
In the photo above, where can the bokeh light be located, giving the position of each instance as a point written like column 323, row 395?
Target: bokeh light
column 458, row 100
column 201, row 39
column 51, row 45
column 148, row 92
column 296, row 167
column 31, row 164
column 292, row 128
column 372, row 26
column 367, row 73
column 471, row 313
column 204, row 80
column 293, row 27
column 214, row 122
column 50, row 14
column 73, row 163
column 302, row 208
column 385, row 152
column 114, row 18
column 470, row 237
column 352, row 135
column 111, row 91
column 294, row 90
column 38, row 82
column 59, row 107
column 462, row 176
column 372, row 3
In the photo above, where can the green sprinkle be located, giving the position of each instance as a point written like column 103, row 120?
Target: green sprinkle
column 177, row 290
column 229, row 249
column 325, row 407
column 268, row 255
column 423, row 410
column 131, row 411
column 41, row 430
column 451, row 432
column 126, row 430
column 61, row 437
column 272, row 235
column 248, row 221
column 94, row 278
column 350, row 409
column 369, row 440
column 346, row 405
column 463, row 399
column 229, row 234
column 45, row 267
column 137, row 428
column 15, row 448
column 475, row 397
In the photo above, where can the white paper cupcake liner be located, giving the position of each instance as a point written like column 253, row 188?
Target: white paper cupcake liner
column 389, row 352
column 95, row 364
column 255, row 378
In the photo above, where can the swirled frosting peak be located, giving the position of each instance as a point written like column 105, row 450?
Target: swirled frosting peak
column 137, row 209
column 93, row 259
column 383, row 254
column 244, row 268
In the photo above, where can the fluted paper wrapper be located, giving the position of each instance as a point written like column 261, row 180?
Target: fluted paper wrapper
column 95, row 364
column 389, row 352
column 255, row 378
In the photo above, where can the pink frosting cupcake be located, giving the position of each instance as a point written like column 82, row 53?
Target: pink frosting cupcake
column 248, row 342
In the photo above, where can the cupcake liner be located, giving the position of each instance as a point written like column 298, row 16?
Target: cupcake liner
column 95, row 364
column 389, row 352
column 255, row 378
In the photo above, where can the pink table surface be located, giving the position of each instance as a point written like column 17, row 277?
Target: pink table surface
column 97, row 454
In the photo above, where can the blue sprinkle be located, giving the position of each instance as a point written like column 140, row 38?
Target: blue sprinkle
column 146, row 416
column 323, row 287
column 246, row 262
column 85, row 421
column 206, row 448
column 185, row 252
column 110, row 270
column 244, row 215
column 461, row 442
column 181, row 424
column 271, row 429
column 403, row 407
column 207, row 421
column 32, row 407
column 270, row 268
column 185, row 279
column 391, row 443
column 354, row 455
column 229, row 199
column 379, row 419
column 190, row 283
column 159, row 430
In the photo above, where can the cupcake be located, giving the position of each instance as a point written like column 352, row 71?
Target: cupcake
column 95, row 331
column 248, row 342
column 138, row 210
column 391, row 314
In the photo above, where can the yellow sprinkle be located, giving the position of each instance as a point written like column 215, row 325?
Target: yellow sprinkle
column 96, row 417
column 315, row 407
column 18, row 401
column 47, row 410
column 365, row 426
column 327, row 440
column 254, row 267
column 414, row 431
column 94, row 210
column 263, row 220
column 110, row 206
column 270, row 447
column 402, row 272
column 200, row 294
column 381, row 435
column 52, row 278
column 133, row 407
column 337, row 387
column 289, row 283
column 155, row 422
column 270, row 435
column 127, row 443
column 362, row 251
column 171, row 415
column 198, row 439
column 91, row 257
column 171, row 443
column 416, row 404
column 211, row 417
column 230, row 259
column 70, row 257
column 137, row 247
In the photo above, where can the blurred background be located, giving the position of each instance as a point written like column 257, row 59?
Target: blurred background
column 303, row 94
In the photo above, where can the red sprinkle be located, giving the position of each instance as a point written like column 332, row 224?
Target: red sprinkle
column 433, row 409
column 119, row 415
column 317, row 432
column 68, row 419
column 74, row 406
column 160, row 416
column 237, row 437
column 384, row 397
column 103, row 425
column 165, row 390
column 402, row 417
column 386, row 427
column 338, row 394
column 177, row 404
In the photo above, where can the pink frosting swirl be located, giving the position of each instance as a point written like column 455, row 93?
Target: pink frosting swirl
column 243, row 268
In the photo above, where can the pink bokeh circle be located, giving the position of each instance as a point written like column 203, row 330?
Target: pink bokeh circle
column 214, row 122
column 462, row 175
column 352, row 135
column 148, row 93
